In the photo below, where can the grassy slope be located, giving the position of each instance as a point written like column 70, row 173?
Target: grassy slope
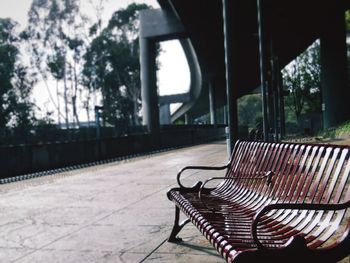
column 341, row 131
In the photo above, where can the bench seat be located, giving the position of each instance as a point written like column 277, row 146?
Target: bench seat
column 277, row 202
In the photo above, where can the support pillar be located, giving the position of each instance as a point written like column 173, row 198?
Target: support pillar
column 335, row 86
column 164, row 114
column 282, row 119
column 231, row 29
column 277, row 93
column 150, row 109
column 263, row 68
column 225, row 114
column 212, row 103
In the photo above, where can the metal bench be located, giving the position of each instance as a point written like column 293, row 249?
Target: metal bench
column 277, row 202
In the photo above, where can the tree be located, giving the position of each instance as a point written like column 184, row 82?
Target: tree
column 302, row 79
column 8, row 54
column 16, row 81
column 249, row 110
column 112, row 66
column 23, row 82
column 56, row 36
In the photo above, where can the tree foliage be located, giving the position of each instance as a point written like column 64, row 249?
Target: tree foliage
column 16, row 81
column 75, row 59
column 56, row 43
column 112, row 66
column 249, row 110
column 302, row 79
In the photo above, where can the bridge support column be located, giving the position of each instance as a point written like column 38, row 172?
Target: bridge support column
column 231, row 29
column 282, row 119
column 150, row 110
column 212, row 103
column 264, row 60
column 164, row 114
column 335, row 86
column 225, row 114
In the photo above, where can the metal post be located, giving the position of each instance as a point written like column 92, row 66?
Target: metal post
column 230, row 29
column 281, row 100
column 212, row 103
column 225, row 114
column 263, row 69
column 275, row 92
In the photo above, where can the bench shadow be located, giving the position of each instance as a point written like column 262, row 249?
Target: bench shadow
column 207, row 250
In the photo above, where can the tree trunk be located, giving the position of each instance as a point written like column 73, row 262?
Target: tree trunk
column 135, row 114
column 74, row 97
column 66, row 99
column 87, row 106
column 58, row 105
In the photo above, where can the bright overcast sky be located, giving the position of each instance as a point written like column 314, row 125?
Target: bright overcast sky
column 18, row 9
column 173, row 76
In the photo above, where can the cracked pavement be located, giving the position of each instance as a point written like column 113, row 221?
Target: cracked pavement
column 116, row 212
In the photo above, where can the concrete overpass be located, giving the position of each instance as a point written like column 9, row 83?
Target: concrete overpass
column 234, row 46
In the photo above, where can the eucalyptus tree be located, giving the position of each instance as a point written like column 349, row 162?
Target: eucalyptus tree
column 8, row 54
column 112, row 66
column 303, row 81
column 95, row 25
column 16, row 81
column 23, row 83
column 55, row 34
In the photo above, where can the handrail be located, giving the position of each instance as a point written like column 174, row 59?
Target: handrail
column 254, row 226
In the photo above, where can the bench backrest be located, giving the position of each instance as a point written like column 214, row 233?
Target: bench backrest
column 302, row 173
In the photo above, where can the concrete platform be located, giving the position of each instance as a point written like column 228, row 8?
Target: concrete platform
column 116, row 212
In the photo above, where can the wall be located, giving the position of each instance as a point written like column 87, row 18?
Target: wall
column 23, row 159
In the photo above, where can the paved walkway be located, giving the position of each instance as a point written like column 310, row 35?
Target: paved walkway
column 116, row 212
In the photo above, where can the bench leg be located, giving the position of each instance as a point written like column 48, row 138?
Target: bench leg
column 177, row 227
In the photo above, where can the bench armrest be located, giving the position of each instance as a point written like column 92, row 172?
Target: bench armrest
column 198, row 168
column 267, row 176
column 265, row 209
